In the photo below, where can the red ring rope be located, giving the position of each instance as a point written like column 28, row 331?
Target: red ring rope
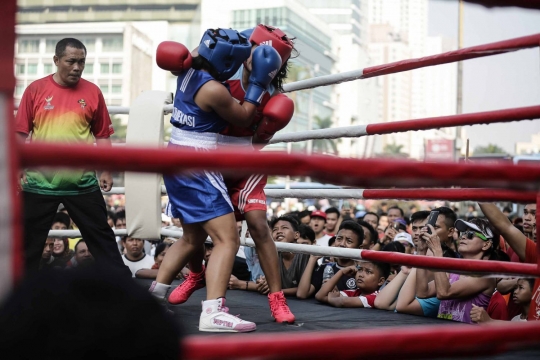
column 354, row 172
column 452, row 265
column 523, row 197
column 395, row 342
column 486, row 117
column 472, row 52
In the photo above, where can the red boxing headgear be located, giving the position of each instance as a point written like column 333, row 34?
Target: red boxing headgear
column 269, row 35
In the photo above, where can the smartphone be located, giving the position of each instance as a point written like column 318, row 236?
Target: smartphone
column 399, row 226
column 432, row 220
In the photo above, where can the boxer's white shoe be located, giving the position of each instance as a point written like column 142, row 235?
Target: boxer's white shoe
column 215, row 317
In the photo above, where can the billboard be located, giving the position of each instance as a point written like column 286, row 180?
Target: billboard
column 439, row 150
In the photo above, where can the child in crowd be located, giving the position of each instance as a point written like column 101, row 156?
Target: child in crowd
column 369, row 278
column 161, row 250
column 307, row 235
column 522, row 297
column 350, row 235
column 61, row 252
column 328, row 259
column 292, row 266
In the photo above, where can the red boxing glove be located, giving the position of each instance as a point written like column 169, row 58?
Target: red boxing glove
column 173, row 57
column 277, row 113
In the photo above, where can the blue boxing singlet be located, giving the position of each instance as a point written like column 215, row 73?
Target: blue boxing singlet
column 200, row 196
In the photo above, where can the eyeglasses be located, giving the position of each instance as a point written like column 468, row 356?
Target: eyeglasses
column 470, row 234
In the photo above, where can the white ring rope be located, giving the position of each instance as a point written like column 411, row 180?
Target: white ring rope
column 285, row 193
column 355, row 254
column 77, row 233
column 324, row 80
column 333, row 133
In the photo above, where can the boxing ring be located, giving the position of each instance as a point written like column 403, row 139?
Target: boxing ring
column 411, row 179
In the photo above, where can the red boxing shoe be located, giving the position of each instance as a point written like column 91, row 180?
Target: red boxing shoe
column 194, row 281
column 279, row 308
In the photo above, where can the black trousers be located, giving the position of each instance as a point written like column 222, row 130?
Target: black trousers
column 89, row 213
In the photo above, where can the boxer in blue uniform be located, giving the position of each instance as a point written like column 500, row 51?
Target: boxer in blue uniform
column 203, row 107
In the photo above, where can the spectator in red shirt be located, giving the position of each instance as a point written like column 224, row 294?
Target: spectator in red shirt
column 523, row 246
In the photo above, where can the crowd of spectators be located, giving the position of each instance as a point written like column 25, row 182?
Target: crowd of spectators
column 341, row 282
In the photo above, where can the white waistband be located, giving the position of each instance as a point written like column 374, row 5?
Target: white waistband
column 242, row 141
column 194, row 139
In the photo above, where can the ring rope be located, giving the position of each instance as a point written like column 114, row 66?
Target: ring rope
column 479, row 118
column 499, row 47
column 486, row 117
column 364, row 172
column 489, row 268
column 470, row 194
column 408, row 341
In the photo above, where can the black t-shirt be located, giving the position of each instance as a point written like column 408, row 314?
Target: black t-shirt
column 344, row 283
column 290, row 278
column 240, row 269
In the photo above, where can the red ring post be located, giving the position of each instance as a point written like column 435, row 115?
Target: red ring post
column 537, row 229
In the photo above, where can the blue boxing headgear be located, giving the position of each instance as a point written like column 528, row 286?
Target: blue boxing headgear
column 247, row 33
column 226, row 50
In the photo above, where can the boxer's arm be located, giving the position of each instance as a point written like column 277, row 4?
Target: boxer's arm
column 214, row 96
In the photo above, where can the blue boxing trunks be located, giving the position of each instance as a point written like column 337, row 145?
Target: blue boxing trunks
column 199, row 196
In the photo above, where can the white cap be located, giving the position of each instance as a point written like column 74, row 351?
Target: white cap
column 403, row 236
column 462, row 225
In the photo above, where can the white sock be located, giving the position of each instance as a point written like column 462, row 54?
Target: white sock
column 158, row 289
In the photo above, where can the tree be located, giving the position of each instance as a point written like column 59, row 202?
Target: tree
column 295, row 73
column 394, row 150
column 120, row 130
column 324, row 145
column 489, row 149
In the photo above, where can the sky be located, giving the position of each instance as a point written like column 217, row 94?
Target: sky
column 494, row 82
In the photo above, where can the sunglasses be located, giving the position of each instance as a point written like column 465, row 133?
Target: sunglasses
column 470, row 234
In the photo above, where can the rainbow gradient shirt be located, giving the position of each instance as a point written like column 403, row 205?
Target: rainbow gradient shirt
column 60, row 114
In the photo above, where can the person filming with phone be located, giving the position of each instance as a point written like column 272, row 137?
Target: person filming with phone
column 478, row 240
column 394, row 228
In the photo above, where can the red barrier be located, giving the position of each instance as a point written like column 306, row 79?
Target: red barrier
column 486, row 117
column 353, row 172
column 488, row 195
column 495, row 48
column 389, row 343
